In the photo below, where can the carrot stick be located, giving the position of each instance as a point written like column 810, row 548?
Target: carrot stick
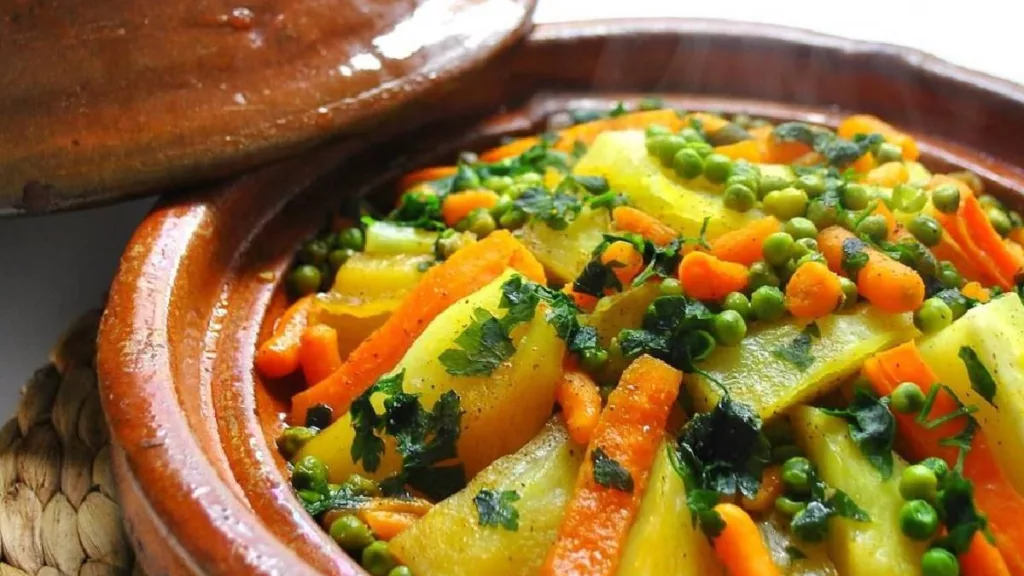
column 739, row 546
column 513, row 148
column 743, row 246
column 750, row 150
column 813, row 291
column 468, row 270
column 976, row 291
column 624, row 259
column 993, row 493
column 585, row 302
column 318, row 353
column 278, row 356
column 771, row 488
column 705, row 277
column 386, row 524
column 886, row 283
column 580, row 400
column 866, row 124
column 982, row 559
column 459, row 205
column 973, row 237
column 630, row 219
column 425, row 175
column 598, row 517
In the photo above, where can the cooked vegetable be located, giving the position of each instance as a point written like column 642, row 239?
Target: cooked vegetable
column 624, row 259
column 793, row 556
column 869, row 548
column 425, row 175
column 745, row 245
column 891, row 286
column 564, row 253
column 615, row 470
column 705, row 277
column 466, row 271
column 813, row 291
column 580, row 400
column 460, row 205
column 739, row 547
column 630, row 219
column 779, row 366
column 318, row 352
column 983, row 559
column 450, row 539
column 384, row 238
column 278, row 356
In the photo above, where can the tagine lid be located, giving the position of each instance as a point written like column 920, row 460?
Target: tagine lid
column 109, row 100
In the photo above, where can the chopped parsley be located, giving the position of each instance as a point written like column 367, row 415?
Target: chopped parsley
column 982, row 381
column 872, row 428
column 482, row 347
column 854, row 256
column 497, row 508
column 675, row 329
column 956, row 507
column 595, row 278
column 609, row 473
column 961, row 440
column 556, row 209
column 798, row 350
column 836, row 151
column 419, row 209
column 811, row 523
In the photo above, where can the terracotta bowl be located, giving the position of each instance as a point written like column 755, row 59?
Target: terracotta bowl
column 203, row 488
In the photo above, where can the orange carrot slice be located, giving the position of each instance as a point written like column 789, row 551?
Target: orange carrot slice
column 976, row 238
column 886, row 283
column 580, row 400
column 425, row 175
column 513, row 148
column 983, row 559
column 386, row 524
column 705, row 277
column 739, row 545
column 977, row 291
column 624, row 259
column 629, row 219
column 993, row 493
column 750, row 150
column 743, row 246
column 278, row 356
column 813, row 291
column 318, row 353
column 468, row 270
column 460, row 204
column 598, row 517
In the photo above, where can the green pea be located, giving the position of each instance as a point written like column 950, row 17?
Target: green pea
column 377, row 559
column 314, row 252
column 907, row 198
column 513, row 219
column 729, row 327
column 771, row 183
column 309, row 473
column 717, row 167
column 761, row 274
column 304, row 279
column 741, row 177
column 933, row 315
column 465, row 178
column 1000, row 221
column 918, row 482
column 337, row 258
column 657, row 130
column 813, row 184
column 949, row 276
column 703, row 149
column 874, row 227
column 688, row 163
column 926, row 229
column 293, row 439
column 671, row 287
column 400, row 571
column 789, row 507
column 786, row 203
column 768, row 303
column 359, row 485
column 739, row 198
column 736, row 302
column 988, row 201
column 956, row 301
column 946, row 198
column 887, row 152
column 775, row 248
column 529, row 179
column 938, row 467
column 481, row 222
column 850, row 293
column 907, row 398
column 797, row 475
column 918, row 520
column 801, row 228
column 498, row 183
column 856, row 197
column 351, row 238
column 821, row 214
column 802, row 247
column 351, row 533
column 939, row 562
column 594, row 359
column 782, row 453
column 665, row 147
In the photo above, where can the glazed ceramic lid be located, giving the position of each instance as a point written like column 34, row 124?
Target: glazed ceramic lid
column 106, row 100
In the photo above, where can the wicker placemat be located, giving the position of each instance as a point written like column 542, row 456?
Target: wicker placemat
column 58, row 506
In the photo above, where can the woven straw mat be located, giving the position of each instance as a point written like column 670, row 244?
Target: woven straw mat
column 58, row 509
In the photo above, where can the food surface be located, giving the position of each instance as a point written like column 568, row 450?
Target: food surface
column 659, row 342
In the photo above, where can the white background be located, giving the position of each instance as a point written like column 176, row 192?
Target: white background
column 54, row 268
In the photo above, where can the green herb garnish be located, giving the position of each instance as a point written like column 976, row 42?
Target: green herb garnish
column 798, row 350
column 982, row 381
column 496, row 508
column 609, row 473
column 872, row 428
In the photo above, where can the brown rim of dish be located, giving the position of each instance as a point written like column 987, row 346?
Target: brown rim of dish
column 193, row 427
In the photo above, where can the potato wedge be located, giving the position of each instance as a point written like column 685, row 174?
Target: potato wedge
column 564, row 253
column 502, row 411
column 781, row 543
column 449, row 540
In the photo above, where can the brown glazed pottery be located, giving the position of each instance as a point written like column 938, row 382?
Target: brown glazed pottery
column 198, row 287
column 104, row 100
